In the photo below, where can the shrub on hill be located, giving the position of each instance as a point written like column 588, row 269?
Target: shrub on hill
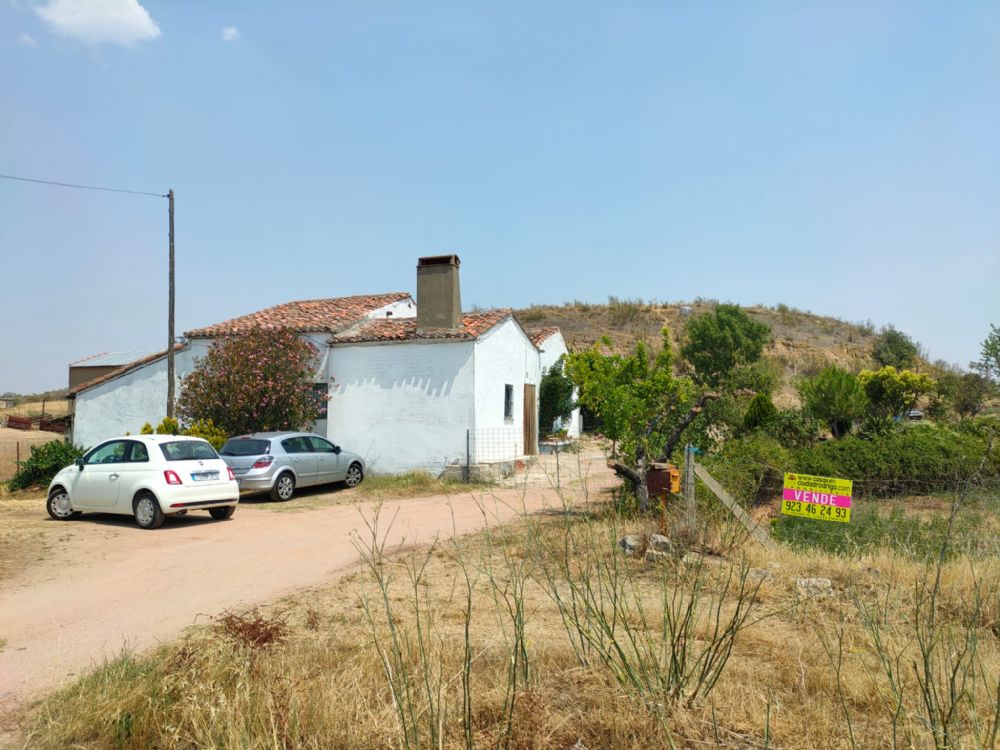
column 722, row 340
column 834, row 397
column 895, row 349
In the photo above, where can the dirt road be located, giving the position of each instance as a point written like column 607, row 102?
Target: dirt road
column 103, row 583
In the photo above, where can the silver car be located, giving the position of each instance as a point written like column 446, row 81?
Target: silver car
column 278, row 462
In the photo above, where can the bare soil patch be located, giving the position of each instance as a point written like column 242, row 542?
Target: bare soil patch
column 86, row 588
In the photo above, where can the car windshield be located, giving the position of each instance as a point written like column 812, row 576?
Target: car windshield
column 188, row 450
column 245, row 447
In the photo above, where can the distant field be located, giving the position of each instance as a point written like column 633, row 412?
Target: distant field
column 13, row 440
column 57, row 407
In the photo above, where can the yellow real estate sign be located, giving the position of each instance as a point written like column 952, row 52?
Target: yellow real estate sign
column 822, row 498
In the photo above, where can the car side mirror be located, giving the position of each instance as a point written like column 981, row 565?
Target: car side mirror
column 80, row 463
column 336, row 449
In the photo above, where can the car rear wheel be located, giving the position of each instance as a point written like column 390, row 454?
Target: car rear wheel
column 284, row 487
column 147, row 512
column 354, row 475
column 221, row 514
column 59, row 506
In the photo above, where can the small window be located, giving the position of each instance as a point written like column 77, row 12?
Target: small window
column 508, row 401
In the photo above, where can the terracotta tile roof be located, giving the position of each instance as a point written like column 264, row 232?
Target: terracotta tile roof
column 120, row 371
column 314, row 315
column 474, row 325
column 538, row 335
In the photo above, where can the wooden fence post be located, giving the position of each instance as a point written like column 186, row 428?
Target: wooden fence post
column 758, row 533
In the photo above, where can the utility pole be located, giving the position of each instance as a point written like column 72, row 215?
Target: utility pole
column 170, row 314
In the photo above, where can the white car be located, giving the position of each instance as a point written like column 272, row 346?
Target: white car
column 146, row 476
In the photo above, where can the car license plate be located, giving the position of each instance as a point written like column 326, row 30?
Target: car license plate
column 204, row 476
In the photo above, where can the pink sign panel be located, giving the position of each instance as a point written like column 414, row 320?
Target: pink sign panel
column 819, row 498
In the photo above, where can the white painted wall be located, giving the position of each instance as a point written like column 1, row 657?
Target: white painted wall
column 126, row 403
column 402, row 406
column 406, row 308
column 503, row 355
column 552, row 349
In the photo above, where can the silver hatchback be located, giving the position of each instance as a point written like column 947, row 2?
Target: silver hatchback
column 278, row 462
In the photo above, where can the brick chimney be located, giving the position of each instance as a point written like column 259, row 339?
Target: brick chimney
column 439, row 301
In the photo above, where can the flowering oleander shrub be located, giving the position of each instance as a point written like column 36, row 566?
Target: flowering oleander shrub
column 261, row 380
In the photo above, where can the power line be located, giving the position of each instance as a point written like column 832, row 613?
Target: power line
column 81, row 187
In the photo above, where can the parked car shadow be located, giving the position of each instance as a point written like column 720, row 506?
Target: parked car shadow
column 263, row 498
column 128, row 522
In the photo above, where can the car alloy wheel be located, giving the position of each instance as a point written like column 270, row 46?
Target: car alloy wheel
column 354, row 476
column 59, row 505
column 284, row 487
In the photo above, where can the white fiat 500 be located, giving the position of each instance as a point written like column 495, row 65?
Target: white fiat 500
column 146, row 476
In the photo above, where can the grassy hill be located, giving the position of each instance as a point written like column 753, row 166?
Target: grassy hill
column 801, row 343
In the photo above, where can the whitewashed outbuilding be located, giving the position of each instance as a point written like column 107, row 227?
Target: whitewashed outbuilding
column 551, row 347
column 413, row 384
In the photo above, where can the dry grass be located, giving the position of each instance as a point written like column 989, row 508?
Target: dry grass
column 538, row 635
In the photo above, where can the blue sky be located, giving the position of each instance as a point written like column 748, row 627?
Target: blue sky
column 838, row 157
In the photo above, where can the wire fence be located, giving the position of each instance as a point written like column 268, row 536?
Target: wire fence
column 494, row 445
column 14, row 451
column 912, row 514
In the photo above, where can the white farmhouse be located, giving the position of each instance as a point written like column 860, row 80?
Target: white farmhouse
column 413, row 384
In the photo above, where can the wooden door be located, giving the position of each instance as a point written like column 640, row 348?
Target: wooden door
column 530, row 421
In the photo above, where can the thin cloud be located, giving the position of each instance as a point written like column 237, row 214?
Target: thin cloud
column 123, row 22
column 230, row 34
column 26, row 40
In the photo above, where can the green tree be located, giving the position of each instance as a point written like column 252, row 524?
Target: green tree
column 965, row 392
column 989, row 359
column 723, row 416
column 891, row 393
column 974, row 390
column 894, row 348
column 834, row 397
column 644, row 407
column 722, row 340
column 261, row 380
column 555, row 397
